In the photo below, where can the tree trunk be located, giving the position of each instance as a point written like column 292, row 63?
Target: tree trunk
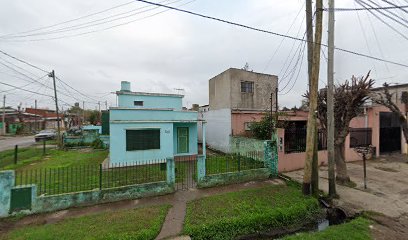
column 341, row 168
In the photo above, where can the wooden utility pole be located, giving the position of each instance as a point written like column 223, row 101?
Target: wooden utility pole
column 4, row 115
column 330, row 102
column 52, row 74
column 313, row 89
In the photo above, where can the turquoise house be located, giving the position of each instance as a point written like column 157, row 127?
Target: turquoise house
column 150, row 126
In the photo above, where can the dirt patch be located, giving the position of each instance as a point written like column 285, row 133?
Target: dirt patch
column 386, row 169
column 389, row 228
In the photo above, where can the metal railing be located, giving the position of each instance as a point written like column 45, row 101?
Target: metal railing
column 51, row 181
column 295, row 140
column 234, row 162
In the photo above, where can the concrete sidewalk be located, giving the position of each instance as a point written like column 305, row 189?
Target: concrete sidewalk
column 387, row 191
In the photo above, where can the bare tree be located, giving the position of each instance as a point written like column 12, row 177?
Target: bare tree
column 385, row 98
column 349, row 97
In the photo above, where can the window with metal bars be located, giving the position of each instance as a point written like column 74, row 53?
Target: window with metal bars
column 247, row 87
column 142, row 139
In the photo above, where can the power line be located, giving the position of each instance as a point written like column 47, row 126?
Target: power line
column 283, row 39
column 384, row 22
column 399, row 7
column 364, row 9
column 404, row 23
column 24, row 85
column 22, row 89
column 96, row 22
column 25, row 62
column 72, row 20
column 270, row 32
column 93, row 31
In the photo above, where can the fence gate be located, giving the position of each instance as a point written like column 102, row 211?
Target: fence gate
column 390, row 133
column 186, row 172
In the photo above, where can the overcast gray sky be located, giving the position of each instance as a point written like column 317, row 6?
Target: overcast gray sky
column 161, row 51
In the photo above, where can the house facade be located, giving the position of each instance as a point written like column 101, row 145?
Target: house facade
column 237, row 98
column 150, row 126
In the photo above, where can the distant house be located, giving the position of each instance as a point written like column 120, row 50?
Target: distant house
column 148, row 126
column 48, row 116
column 237, row 98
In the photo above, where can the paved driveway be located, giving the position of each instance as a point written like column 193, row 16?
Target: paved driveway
column 9, row 142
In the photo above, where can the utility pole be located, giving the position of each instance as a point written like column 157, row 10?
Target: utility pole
column 313, row 91
column 4, row 115
column 106, row 105
column 35, row 117
column 330, row 102
column 83, row 112
column 271, row 120
column 52, row 74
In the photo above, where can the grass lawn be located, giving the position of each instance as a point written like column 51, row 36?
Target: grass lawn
column 140, row 223
column 33, row 158
column 233, row 214
column 357, row 229
column 62, row 171
column 231, row 163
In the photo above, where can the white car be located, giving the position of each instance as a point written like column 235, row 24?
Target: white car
column 44, row 135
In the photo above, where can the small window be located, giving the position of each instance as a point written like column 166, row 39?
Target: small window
column 142, row 139
column 247, row 87
column 138, row 103
column 247, row 126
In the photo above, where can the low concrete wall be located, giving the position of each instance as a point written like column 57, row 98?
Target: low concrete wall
column 6, row 184
column 64, row 201
column 235, row 177
column 245, row 145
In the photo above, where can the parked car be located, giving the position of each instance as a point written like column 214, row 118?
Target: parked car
column 47, row 134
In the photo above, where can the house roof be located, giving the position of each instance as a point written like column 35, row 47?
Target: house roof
column 149, row 94
column 404, row 85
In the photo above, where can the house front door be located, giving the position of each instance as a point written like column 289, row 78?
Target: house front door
column 182, row 140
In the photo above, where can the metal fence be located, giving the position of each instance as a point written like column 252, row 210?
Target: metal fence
column 51, row 181
column 295, row 140
column 360, row 137
column 233, row 162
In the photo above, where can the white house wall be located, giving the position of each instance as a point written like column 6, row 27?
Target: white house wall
column 218, row 129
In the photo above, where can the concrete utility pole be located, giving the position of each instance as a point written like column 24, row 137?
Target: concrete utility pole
column 330, row 102
column 4, row 115
column 311, row 123
column 83, row 112
column 106, row 105
column 35, row 117
column 52, row 74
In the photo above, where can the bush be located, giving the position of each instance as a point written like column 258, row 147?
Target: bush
column 98, row 144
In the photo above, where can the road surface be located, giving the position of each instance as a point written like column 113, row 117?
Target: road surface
column 9, row 142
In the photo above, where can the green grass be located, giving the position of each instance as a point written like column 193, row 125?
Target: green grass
column 231, row 163
column 141, row 223
column 79, row 170
column 357, row 229
column 33, row 158
column 233, row 214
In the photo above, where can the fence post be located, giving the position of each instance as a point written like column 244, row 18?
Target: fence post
column 171, row 172
column 15, row 153
column 100, row 176
column 44, row 144
column 201, row 168
column 7, row 182
column 271, row 156
column 239, row 162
